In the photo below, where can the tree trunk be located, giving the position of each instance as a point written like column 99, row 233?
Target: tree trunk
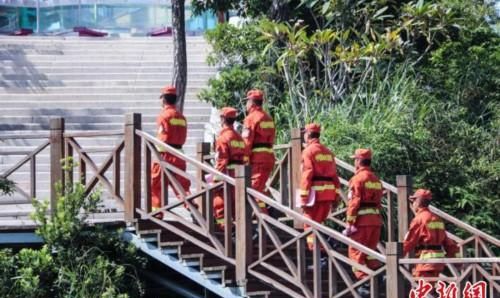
column 179, row 78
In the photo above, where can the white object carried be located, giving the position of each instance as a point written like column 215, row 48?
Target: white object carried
column 209, row 178
column 311, row 199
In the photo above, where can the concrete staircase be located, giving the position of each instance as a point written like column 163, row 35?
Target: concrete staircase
column 92, row 83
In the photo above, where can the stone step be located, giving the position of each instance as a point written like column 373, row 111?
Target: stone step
column 99, row 76
column 194, row 121
column 90, row 90
column 78, row 96
column 87, row 62
column 46, row 103
column 109, row 41
column 159, row 68
column 96, row 56
column 90, row 126
column 190, row 110
column 67, row 50
column 159, row 83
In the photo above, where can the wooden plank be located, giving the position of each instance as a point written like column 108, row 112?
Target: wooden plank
column 92, row 134
column 116, row 172
column 395, row 287
column 33, row 177
column 294, row 171
column 20, row 163
column 56, row 155
column 147, row 178
column 317, row 268
column 243, row 224
column 132, row 166
column 404, row 185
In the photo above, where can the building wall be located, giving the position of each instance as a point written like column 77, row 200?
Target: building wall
column 114, row 16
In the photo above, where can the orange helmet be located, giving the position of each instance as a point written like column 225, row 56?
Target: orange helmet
column 422, row 193
column 229, row 112
column 313, row 127
column 362, row 154
column 169, row 89
column 255, row 94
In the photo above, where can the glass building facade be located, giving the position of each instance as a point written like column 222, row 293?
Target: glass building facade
column 135, row 17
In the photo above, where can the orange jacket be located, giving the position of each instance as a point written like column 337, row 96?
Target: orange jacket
column 230, row 149
column 172, row 126
column 365, row 196
column 319, row 172
column 259, row 133
column 427, row 235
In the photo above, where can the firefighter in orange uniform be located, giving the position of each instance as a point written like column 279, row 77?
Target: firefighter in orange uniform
column 172, row 130
column 319, row 175
column 230, row 151
column 427, row 235
column 259, row 134
column 363, row 212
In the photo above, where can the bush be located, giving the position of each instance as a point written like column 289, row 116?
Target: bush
column 77, row 260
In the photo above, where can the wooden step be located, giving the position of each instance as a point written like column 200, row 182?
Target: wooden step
column 193, row 260
column 172, row 248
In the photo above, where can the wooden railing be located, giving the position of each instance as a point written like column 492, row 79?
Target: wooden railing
column 66, row 146
column 277, row 254
column 30, row 157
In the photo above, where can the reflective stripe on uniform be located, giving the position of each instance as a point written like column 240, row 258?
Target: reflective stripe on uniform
column 351, row 217
column 458, row 255
column 323, row 157
column 177, row 122
column 237, row 144
column 366, row 211
column 373, row 185
column 431, row 255
column 263, row 149
column 370, row 258
column 304, row 192
column 310, row 239
column 219, row 221
column 435, row 225
column 266, row 124
column 262, row 205
column 323, row 187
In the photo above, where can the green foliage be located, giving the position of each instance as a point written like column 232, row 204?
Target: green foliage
column 416, row 81
column 6, row 186
column 77, row 260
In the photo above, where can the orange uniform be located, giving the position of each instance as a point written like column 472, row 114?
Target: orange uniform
column 427, row 235
column 230, row 151
column 319, row 174
column 259, row 134
column 172, row 130
column 363, row 212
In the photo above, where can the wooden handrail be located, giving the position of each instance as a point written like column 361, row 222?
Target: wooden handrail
column 24, row 136
column 181, row 155
column 449, row 261
column 438, row 212
column 464, row 225
column 317, row 226
column 92, row 134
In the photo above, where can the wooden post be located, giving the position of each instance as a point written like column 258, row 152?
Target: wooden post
column 394, row 282
column 202, row 149
column 317, row 280
column 404, row 185
column 132, row 166
column 294, row 169
column 56, row 156
column 243, row 226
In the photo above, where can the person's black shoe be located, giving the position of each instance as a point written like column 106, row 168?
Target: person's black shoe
column 364, row 290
